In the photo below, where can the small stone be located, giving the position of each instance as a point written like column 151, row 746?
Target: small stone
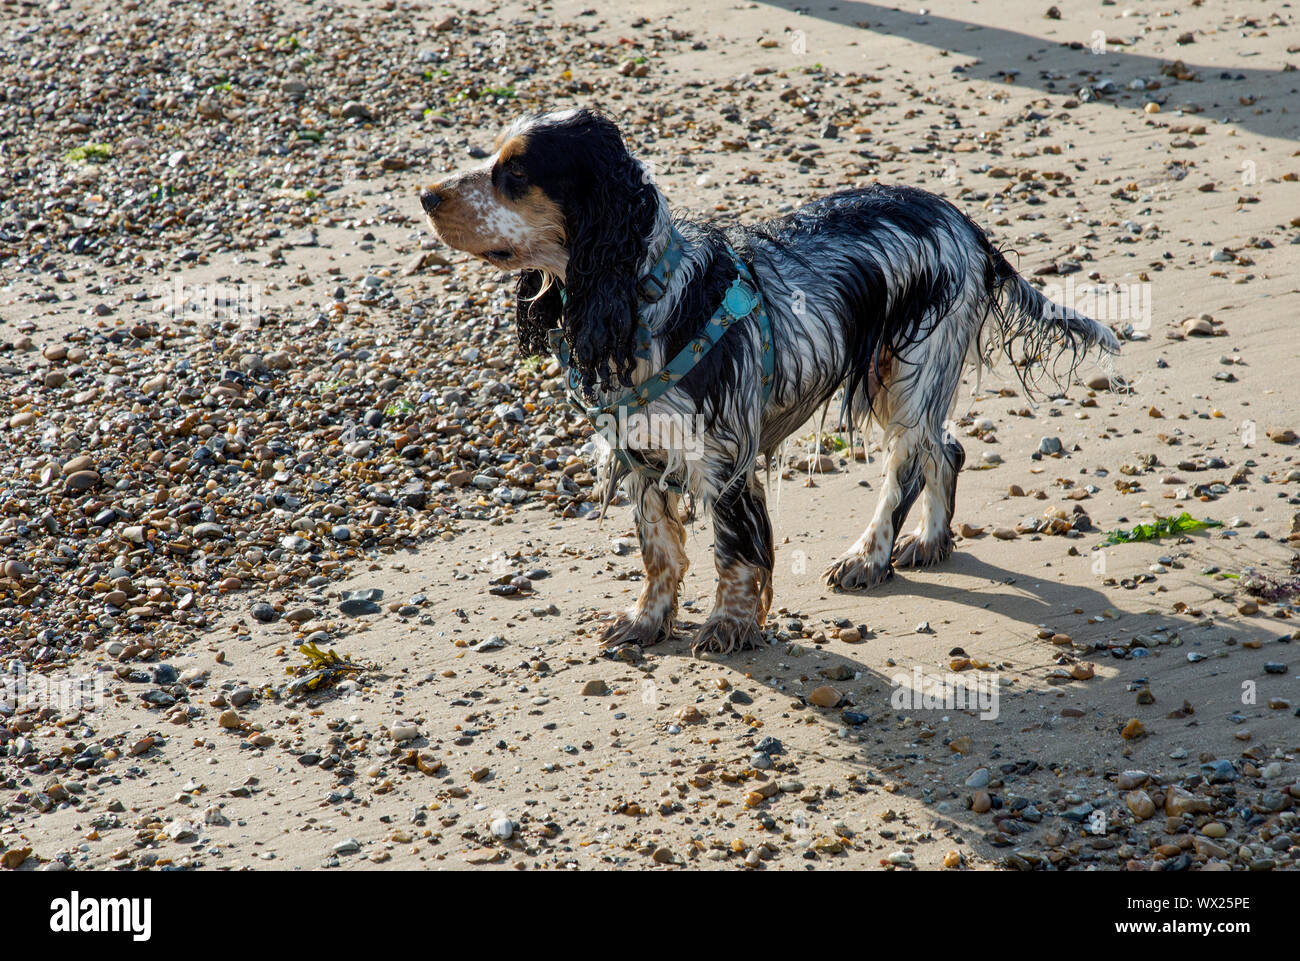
column 1219, row 772
column 12, row 858
column 1207, row 848
column 1179, row 802
column 663, row 856
column 1131, row 779
column 1133, row 729
column 1140, row 803
column 358, row 603
column 82, row 480
column 595, row 688
column 16, row 570
column 347, row 846
column 824, row 696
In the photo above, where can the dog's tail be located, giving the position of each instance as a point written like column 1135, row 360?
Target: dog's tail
column 1046, row 329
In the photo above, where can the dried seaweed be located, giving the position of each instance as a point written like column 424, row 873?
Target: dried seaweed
column 323, row 669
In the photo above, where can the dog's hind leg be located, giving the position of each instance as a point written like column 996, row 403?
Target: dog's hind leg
column 663, row 552
column 743, row 553
column 931, row 542
column 867, row 563
column 935, row 377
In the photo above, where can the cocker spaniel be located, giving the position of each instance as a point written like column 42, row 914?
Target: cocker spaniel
column 734, row 337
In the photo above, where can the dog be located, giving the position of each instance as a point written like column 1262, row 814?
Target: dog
column 887, row 293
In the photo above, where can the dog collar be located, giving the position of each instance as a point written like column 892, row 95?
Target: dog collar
column 741, row 300
column 654, row 284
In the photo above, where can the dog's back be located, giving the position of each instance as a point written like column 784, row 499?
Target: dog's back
column 887, row 292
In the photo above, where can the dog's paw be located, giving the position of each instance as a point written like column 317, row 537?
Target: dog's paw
column 642, row 632
column 726, row 634
column 853, row 572
column 912, row 551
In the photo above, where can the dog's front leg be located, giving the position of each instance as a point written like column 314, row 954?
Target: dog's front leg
column 743, row 553
column 663, row 552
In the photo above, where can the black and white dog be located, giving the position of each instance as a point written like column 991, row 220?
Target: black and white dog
column 885, row 292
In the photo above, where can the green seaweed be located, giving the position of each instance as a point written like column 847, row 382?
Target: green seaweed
column 1185, row 523
column 89, row 153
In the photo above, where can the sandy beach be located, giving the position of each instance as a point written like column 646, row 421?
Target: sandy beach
column 254, row 410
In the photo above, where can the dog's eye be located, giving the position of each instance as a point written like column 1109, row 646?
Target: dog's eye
column 514, row 173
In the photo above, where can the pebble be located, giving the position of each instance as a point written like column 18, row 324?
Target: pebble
column 1219, row 772
column 825, row 696
column 1131, row 779
column 1179, row 802
column 1140, row 804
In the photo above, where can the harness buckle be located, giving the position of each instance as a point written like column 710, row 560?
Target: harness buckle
column 646, row 293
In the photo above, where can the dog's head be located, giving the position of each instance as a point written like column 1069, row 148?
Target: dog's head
column 563, row 201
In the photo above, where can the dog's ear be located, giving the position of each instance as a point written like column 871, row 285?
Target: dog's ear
column 539, row 308
column 609, row 214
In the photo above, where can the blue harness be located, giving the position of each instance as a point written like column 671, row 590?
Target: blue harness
column 741, row 299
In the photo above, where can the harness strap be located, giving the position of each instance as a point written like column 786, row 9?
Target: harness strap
column 740, row 301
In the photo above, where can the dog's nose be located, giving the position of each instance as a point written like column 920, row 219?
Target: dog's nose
column 430, row 199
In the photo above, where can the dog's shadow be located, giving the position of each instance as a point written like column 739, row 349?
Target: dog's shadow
column 892, row 750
